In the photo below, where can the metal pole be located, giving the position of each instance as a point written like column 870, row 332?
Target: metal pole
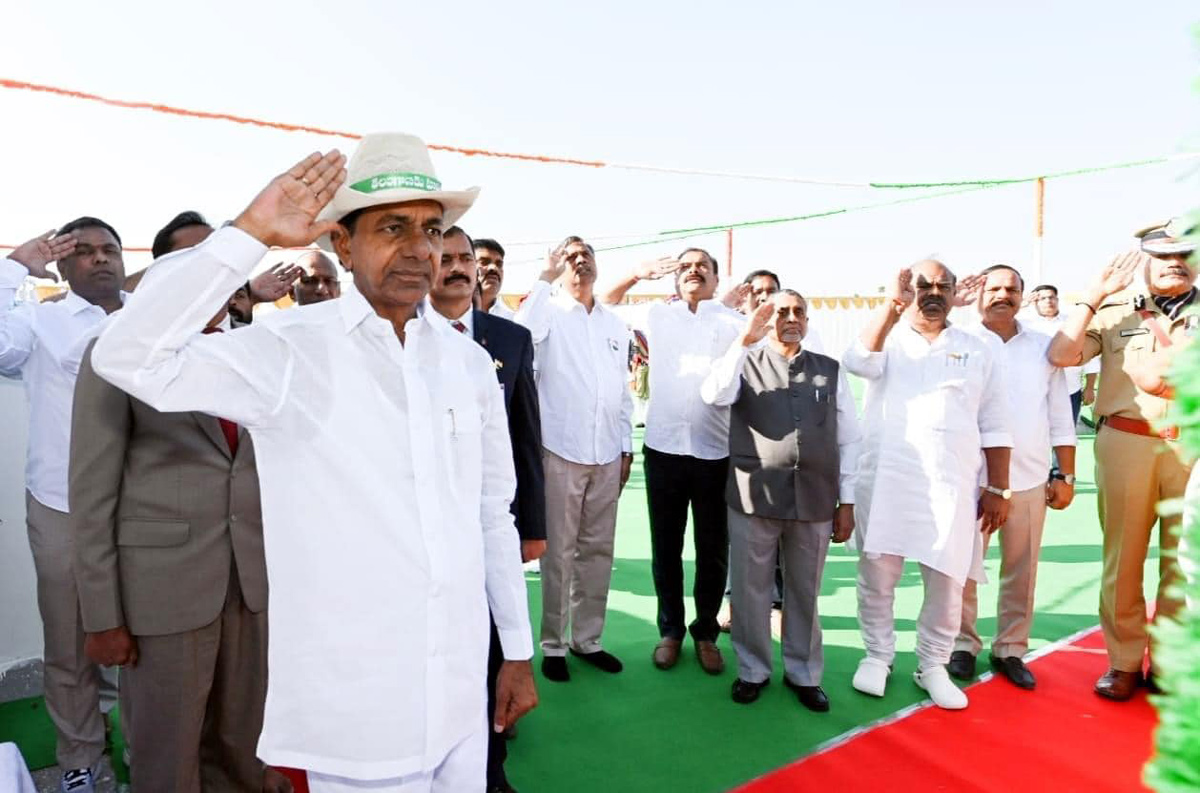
column 729, row 252
column 1039, row 221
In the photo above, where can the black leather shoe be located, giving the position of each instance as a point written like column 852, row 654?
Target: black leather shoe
column 554, row 667
column 811, row 697
column 744, row 693
column 1016, row 671
column 962, row 665
column 1150, row 681
column 603, row 661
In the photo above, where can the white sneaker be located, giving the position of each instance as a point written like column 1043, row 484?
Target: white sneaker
column 871, row 677
column 78, row 781
column 942, row 690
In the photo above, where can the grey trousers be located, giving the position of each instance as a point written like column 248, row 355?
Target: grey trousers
column 802, row 549
column 77, row 691
column 192, row 707
column 581, row 524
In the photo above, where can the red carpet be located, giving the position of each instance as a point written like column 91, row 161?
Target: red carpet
column 1061, row 737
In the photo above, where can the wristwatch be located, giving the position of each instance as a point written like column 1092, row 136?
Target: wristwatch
column 1005, row 494
column 1068, row 478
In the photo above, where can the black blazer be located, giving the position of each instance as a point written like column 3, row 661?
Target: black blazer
column 511, row 347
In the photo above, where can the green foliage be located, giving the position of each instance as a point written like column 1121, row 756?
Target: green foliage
column 1176, row 765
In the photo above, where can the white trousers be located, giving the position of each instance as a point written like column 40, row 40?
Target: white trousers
column 937, row 625
column 463, row 771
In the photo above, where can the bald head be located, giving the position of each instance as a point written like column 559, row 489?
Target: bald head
column 319, row 282
column 933, row 284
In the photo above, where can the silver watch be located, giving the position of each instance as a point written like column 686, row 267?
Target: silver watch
column 1005, row 494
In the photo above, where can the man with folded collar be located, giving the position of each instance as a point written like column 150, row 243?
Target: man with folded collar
column 380, row 589
column 1138, row 462
column 173, row 586
column 511, row 348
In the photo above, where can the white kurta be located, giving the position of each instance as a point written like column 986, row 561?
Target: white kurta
column 386, row 476
column 929, row 410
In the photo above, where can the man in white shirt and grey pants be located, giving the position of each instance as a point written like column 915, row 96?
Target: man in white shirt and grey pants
column 1040, row 411
column 36, row 342
column 686, row 451
column 587, row 432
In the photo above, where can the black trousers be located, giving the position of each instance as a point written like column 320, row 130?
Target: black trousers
column 497, row 746
column 673, row 482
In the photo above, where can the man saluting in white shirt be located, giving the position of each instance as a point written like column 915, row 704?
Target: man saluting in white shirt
column 686, row 453
column 1040, row 408
column 37, row 341
column 934, row 399
column 380, row 591
column 587, row 433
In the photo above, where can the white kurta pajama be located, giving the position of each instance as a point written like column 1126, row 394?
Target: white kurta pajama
column 930, row 408
column 378, row 615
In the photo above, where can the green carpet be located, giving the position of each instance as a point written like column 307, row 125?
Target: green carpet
column 647, row 730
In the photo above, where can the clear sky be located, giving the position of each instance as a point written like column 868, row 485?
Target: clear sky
column 882, row 91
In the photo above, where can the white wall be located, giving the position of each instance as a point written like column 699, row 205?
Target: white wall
column 20, row 625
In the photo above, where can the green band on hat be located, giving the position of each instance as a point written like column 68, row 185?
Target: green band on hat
column 397, row 181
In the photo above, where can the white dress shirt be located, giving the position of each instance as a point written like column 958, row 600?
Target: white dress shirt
column 583, row 366
column 500, row 309
column 1038, row 401
column 1052, row 325
column 683, row 348
column 929, row 410
column 724, row 383
column 35, row 341
column 381, row 583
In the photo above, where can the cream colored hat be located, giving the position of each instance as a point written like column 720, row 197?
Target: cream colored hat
column 1168, row 239
column 390, row 168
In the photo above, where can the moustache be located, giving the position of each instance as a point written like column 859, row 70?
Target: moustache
column 457, row 277
column 932, row 300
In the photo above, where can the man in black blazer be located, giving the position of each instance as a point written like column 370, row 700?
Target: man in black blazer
column 511, row 348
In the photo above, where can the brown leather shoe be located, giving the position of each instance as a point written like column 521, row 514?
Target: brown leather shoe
column 710, row 657
column 666, row 653
column 1118, row 685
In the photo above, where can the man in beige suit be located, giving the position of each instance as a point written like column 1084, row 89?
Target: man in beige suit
column 172, row 580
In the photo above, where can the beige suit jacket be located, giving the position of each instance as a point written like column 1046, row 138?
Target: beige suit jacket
column 160, row 512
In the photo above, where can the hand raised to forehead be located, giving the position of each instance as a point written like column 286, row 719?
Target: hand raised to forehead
column 1119, row 273
column 269, row 286
column 759, row 322
column 284, row 213
column 41, row 251
column 556, row 264
column 657, row 268
column 736, row 296
column 901, row 291
column 967, row 290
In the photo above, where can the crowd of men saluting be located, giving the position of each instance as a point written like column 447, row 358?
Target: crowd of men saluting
column 176, row 438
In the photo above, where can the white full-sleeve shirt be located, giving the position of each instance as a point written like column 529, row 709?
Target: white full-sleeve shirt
column 381, row 581
column 36, row 340
column 1039, row 403
column 1052, row 325
column 583, row 365
column 930, row 408
column 683, row 347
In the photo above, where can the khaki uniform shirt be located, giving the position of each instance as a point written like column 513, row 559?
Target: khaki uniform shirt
column 1123, row 338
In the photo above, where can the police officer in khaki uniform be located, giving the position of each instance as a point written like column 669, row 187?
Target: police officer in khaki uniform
column 1138, row 462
